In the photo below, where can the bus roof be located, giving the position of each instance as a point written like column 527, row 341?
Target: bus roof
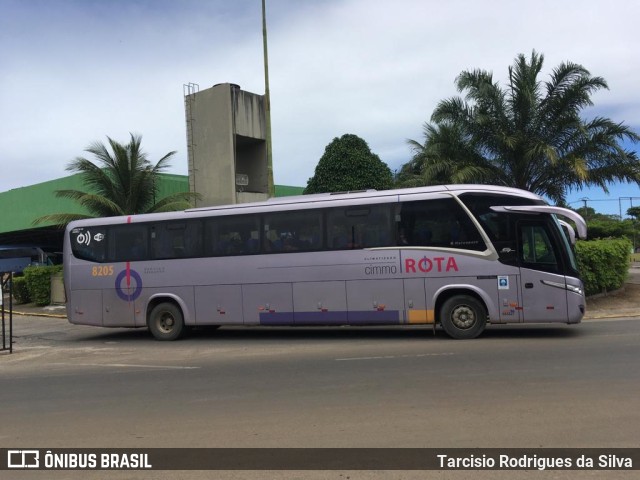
column 359, row 194
column 314, row 200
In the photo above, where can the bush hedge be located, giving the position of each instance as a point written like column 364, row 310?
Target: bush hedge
column 39, row 283
column 20, row 290
column 603, row 264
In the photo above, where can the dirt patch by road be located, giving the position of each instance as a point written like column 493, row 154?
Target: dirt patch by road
column 620, row 303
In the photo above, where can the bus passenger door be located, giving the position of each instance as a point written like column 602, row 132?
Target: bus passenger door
column 544, row 298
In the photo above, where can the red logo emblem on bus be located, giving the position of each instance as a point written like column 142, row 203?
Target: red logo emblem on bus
column 426, row 265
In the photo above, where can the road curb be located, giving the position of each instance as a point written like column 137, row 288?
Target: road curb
column 635, row 315
column 37, row 314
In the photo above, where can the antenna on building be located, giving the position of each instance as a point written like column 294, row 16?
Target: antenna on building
column 189, row 90
column 267, row 102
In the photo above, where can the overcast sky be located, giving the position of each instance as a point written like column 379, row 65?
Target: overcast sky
column 74, row 71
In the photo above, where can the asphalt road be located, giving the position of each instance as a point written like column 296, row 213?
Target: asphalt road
column 516, row 386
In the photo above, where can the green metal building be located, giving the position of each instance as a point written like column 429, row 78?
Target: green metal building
column 20, row 208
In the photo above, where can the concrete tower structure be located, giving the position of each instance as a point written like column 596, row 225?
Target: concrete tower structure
column 226, row 141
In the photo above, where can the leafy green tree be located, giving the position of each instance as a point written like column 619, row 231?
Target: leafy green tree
column 528, row 135
column 634, row 212
column 348, row 164
column 120, row 181
column 587, row 212
column 600, row 225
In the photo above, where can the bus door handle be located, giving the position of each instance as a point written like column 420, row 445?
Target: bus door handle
column 528, row 285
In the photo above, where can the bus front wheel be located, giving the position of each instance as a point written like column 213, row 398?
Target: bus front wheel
column 463, row 317
column 166, row 322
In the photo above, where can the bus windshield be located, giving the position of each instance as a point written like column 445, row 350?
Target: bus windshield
column 568, row 247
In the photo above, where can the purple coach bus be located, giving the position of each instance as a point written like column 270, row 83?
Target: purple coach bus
column 458, row 256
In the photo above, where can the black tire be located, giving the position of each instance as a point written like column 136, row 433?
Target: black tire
column 166, row 322
column 463, row 317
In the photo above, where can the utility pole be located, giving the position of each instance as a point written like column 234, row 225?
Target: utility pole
column 267, row 104
column 585, row 200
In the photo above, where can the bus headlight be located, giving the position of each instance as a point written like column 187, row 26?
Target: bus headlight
column 574, row 289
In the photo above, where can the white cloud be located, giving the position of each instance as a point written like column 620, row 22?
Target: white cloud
column 76, row 71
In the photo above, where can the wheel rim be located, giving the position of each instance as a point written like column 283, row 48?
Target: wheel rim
column 463, row 317
column 166, row 322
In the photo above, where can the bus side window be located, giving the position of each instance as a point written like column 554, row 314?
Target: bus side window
column 176, row 240
column 437, row 223
column 232, row 235
column 359, row 227
column 90, row 243
column 128, row 243
column 376, row 231
column 339, row 237
column 293, row 231
column 537, row 248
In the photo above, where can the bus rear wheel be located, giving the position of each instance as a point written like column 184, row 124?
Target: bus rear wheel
column 463, row 317
column 166, row 322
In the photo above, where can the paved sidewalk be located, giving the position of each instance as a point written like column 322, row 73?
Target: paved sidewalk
column 30, row 310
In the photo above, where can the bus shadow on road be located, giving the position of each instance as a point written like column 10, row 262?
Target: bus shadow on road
column 234, row 334
column 545, row 331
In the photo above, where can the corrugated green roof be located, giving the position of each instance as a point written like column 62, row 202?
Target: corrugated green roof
column 21, row 206
column 287, row 191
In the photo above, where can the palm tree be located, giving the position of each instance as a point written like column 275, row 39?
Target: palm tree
column 529, row 135
column 119, row 182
